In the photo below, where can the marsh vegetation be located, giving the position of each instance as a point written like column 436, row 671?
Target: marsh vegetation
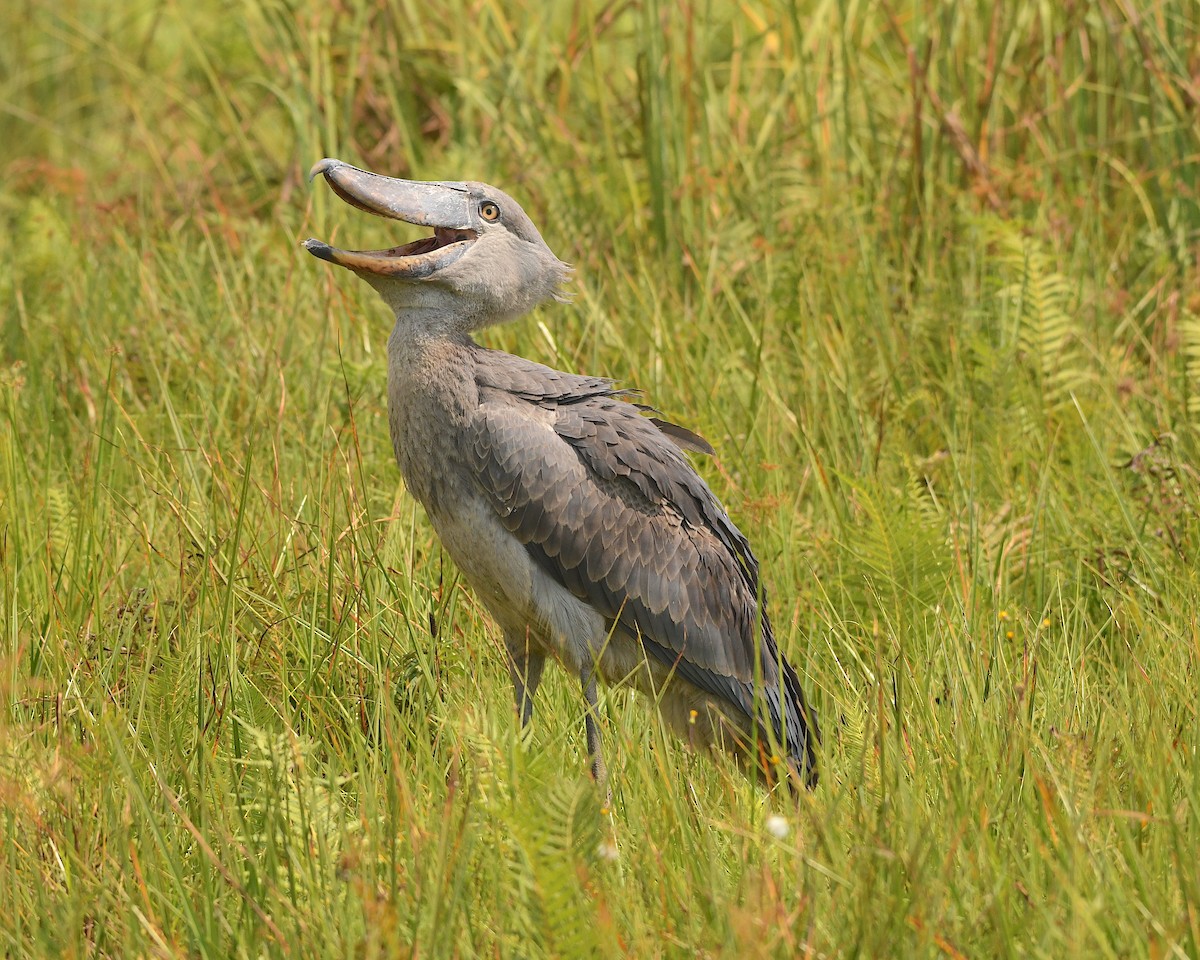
column 925, row 274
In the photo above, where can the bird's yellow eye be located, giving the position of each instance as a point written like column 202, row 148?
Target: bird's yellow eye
column 489, row 211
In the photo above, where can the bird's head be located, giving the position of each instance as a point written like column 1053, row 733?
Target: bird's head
column 485, row 262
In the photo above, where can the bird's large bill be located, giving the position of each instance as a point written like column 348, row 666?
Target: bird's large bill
column 444, row 206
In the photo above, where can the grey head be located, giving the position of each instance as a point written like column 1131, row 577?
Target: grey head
column 485, row 262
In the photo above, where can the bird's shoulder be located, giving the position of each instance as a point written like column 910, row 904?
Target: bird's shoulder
column 619, row 441
column 607, row 503
column 536, row 383
column 501, row 375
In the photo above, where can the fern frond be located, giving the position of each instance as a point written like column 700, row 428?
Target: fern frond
column 1044, row 304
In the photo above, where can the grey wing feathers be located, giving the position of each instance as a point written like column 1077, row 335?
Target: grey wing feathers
column 606, row 503
column 536, row 382
column 683, row 437
column 541, row 384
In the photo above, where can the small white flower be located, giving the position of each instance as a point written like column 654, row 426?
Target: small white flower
column 606, row 849
column 777, row 826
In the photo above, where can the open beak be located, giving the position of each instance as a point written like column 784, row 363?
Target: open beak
column 444, row 206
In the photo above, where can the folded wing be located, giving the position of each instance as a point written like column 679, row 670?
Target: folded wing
column 606, row 503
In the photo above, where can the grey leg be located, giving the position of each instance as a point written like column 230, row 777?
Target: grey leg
column 591, row 722
column 525, row 668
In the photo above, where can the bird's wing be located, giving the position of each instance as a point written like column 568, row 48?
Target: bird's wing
column 536, row 382
column 540, row 384
column 608, row 505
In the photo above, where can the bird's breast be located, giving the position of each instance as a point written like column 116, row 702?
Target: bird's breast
column 515, row 590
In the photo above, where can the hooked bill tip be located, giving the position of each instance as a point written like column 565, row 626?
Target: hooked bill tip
column 322, row 166
column 319, row 249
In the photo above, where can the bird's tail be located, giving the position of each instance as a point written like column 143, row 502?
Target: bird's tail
column 801, row 731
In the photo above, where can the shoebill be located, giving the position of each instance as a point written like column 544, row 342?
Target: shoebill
column 572, row 512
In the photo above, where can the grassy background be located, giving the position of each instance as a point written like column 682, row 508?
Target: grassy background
column 926, row 275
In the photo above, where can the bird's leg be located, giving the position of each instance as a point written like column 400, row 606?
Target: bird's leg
column 525, row 668
column 591, row 722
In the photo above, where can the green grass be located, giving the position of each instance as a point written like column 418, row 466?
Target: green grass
column 924, row 273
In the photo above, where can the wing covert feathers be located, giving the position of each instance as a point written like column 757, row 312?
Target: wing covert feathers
column 606, row 503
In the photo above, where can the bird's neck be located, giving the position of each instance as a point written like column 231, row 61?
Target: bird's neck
column 427, row 346
column 427, row 310
column 431, row 398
